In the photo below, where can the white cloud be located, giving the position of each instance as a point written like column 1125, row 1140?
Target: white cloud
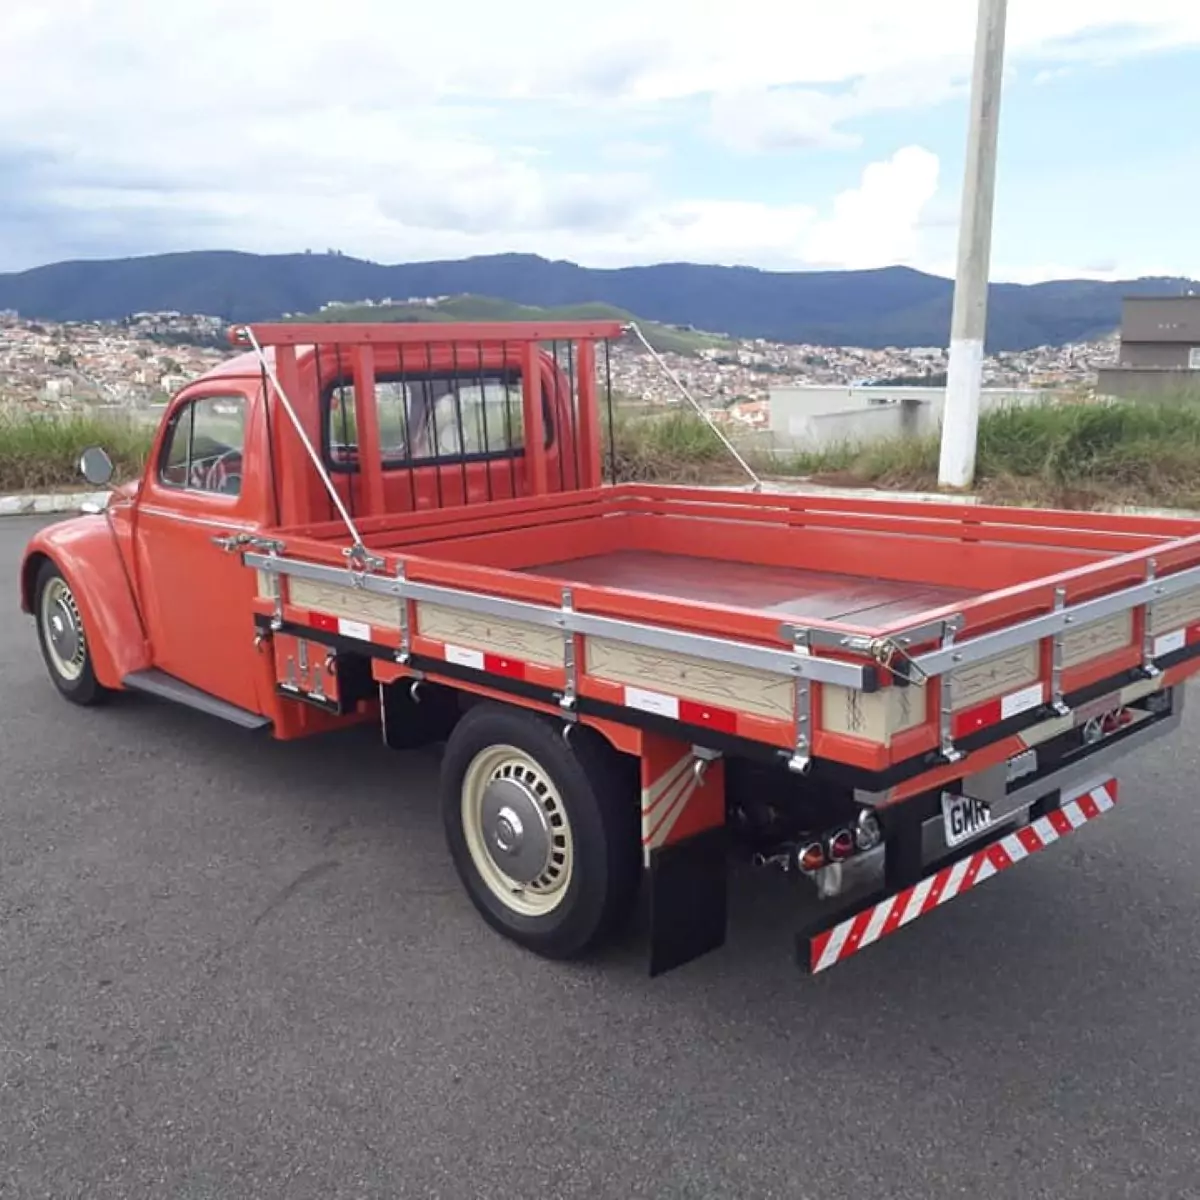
column 878, row 222
column 413, row 131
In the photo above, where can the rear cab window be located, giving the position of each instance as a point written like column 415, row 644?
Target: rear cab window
column 433, row 418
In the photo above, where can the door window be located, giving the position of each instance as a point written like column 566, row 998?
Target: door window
column 204, row 446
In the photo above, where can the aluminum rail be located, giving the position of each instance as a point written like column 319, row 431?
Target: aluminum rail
column 791, row 663
column 797, row 662
column 1063, row 620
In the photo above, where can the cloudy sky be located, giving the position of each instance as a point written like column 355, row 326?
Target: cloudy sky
column 774, row 133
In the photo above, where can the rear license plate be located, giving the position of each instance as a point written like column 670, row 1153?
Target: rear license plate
column 964, row 818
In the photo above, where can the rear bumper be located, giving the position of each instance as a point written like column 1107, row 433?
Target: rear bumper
column 1011, row 803
column 1081, row 804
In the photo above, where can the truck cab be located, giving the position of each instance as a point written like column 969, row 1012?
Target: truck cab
column 167, row 606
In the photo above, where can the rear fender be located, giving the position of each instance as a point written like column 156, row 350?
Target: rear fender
column 85, row 550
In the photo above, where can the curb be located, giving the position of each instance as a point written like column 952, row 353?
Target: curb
column 29, row 504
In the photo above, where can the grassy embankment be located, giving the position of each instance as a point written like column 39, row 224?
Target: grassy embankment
column 1069, row 455
column 1073, row 455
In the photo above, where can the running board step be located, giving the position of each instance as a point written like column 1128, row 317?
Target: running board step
column 158, row 683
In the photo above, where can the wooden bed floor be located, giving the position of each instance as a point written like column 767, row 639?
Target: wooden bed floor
column 782, row 591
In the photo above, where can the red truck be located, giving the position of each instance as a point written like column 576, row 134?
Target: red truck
column 421, row 527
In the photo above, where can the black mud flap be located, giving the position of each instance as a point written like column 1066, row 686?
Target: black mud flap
column 688, row 899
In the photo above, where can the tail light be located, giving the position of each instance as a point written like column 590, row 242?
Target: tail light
column 841, row 845
column 811, row 857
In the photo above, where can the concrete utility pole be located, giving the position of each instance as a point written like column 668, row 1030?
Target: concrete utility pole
column 960, row 428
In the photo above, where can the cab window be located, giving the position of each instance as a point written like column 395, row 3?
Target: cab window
column 434, row 418
column 204, row 446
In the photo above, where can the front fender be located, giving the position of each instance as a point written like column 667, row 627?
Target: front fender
column 85, row 550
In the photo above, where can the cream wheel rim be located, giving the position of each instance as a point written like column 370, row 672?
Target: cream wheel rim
column 63, row 629
column 517, row 831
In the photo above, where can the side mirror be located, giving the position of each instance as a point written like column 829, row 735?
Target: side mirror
column 95, row 466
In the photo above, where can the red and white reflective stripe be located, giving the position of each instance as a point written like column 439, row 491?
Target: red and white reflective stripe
column 481, row 660
column 664, row 801
column 1178, row 639
column 1000, row 708
column 340, row 625
column 856, row 933
column 691, row 712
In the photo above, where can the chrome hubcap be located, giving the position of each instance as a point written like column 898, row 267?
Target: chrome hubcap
column 63, row 627
column 517, row 830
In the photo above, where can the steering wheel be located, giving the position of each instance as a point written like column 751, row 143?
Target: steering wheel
column 224, row 474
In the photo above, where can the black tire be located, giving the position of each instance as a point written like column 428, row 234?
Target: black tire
column 81, row 687
column 598, row 791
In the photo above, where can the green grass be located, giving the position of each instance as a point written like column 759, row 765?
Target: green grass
column 1067, row 455
column 664, row 338
column 42, row 454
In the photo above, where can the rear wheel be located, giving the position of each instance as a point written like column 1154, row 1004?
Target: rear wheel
column 543, row 833
column 63, row 639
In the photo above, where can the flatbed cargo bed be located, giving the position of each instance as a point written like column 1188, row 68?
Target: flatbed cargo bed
column 795, row 592
column 787, row 620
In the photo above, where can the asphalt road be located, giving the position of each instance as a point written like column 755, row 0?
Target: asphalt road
column 232, row 968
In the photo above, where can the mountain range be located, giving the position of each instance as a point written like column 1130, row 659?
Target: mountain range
column 892, row 306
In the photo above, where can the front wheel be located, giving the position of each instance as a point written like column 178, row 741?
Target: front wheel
column 62, row 638
column 543, row 833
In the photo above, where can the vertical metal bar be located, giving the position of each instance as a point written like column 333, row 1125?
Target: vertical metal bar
column 462, row 436
column 570, row 672
column 341, row 383
column 321, row 414
column 366, row 420
column 1057, row 658
column 431, row 415
column 535, row 435
column 573, row 408
column 950, row 752
column 612, row 434
column 406, row 428
column 590, row 450
column 483, row 400
column 1148, row 664
column 405, row 652
column 512, row 451
column 801, row 759
column 556, row 419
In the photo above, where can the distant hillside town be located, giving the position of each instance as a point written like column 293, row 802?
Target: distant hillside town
column 146, row 357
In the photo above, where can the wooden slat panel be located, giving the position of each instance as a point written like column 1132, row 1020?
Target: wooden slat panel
column 1176, row 612
column 875, row 716
column 1097, row 639
column 531, row 643
column 738, row 688
column 996, row 676
column 350, row 603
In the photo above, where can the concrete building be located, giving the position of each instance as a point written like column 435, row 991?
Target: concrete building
column 1160, row 348
column 816, row 418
